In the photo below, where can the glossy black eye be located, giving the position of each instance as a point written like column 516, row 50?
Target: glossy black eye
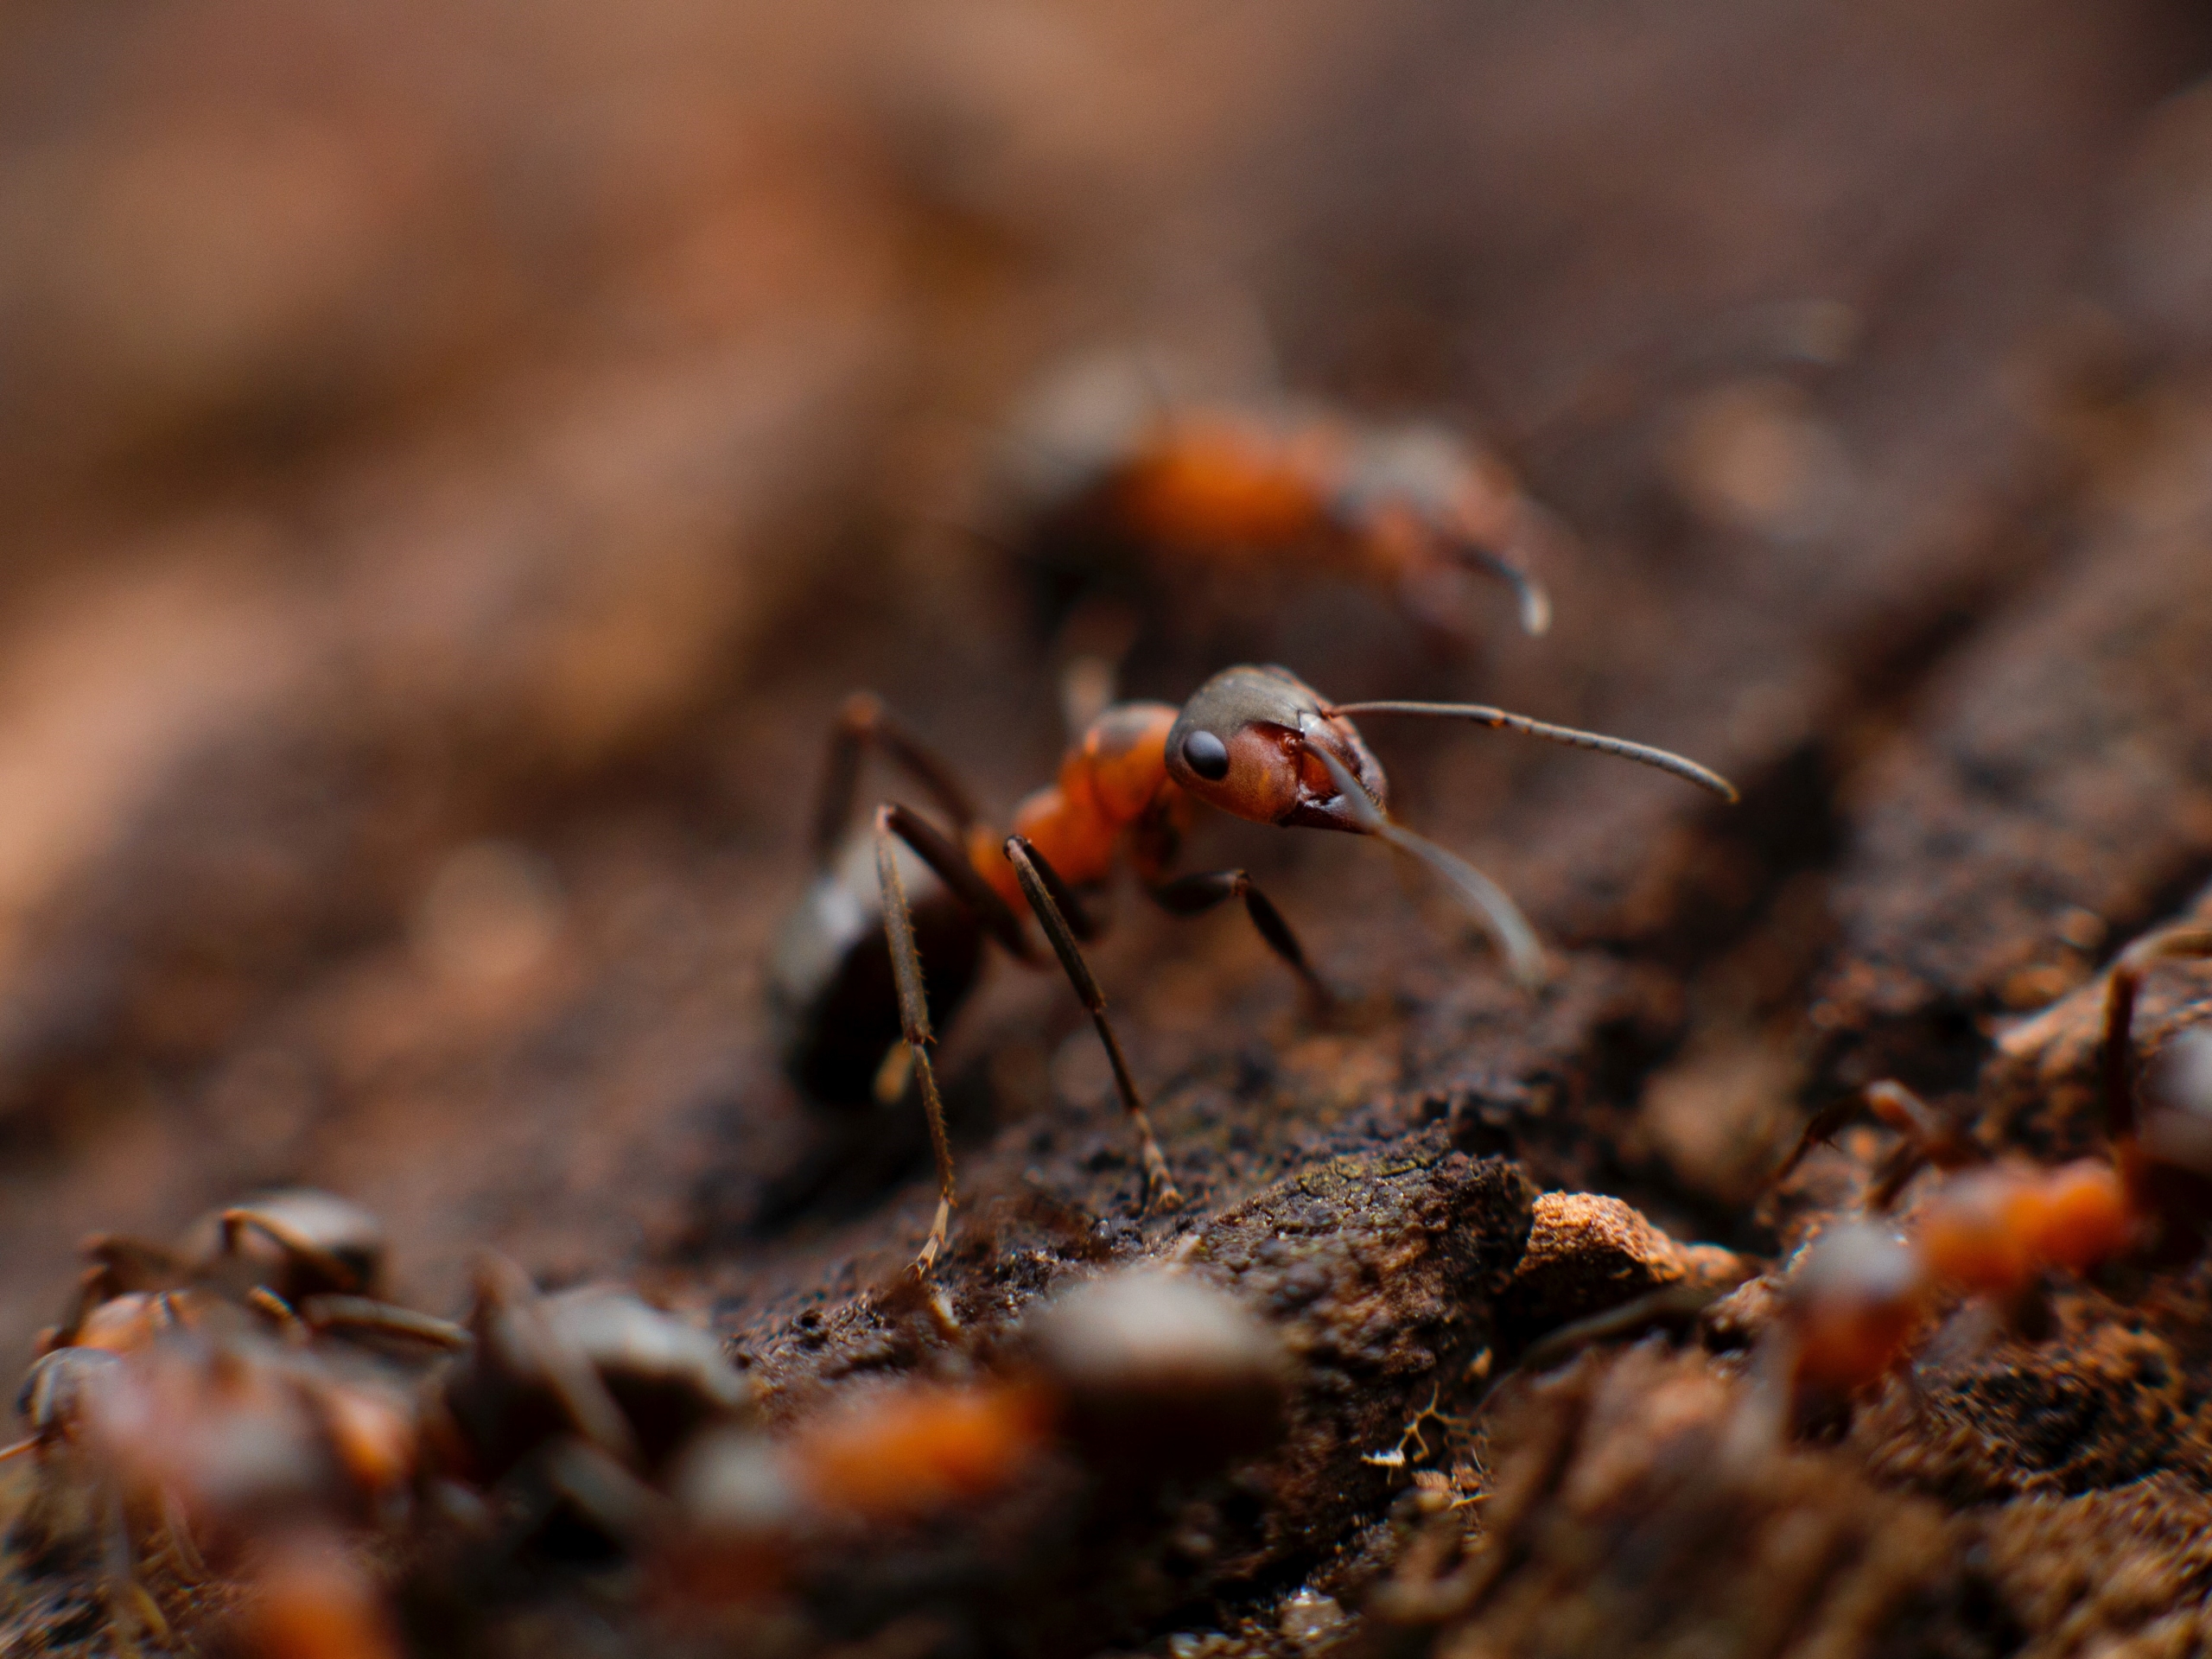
column 1207, row 755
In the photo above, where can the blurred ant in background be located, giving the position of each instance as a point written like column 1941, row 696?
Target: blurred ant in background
column 1138, row 1383
column 305, row 1260
column 1993, row 1228
column 1257, row 743
column 1132, row 511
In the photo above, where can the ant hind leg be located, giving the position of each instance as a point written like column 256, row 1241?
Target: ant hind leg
column 863, row 723
column 914, row 1020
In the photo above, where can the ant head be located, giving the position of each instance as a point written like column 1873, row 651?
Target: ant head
column 1246, row 743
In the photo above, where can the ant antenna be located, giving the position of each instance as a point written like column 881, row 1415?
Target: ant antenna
column 1501, row 919
column 1643, row 753
column 1528, row 592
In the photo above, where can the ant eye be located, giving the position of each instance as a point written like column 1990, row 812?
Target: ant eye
column 1207, row 755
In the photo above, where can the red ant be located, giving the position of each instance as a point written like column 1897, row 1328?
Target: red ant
column 1142, row 1378
column 1257, row 743
column 1993, row 1229
column 1114, row 480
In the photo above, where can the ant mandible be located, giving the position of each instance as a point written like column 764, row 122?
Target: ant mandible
column 1257, row 743
column 1994, row 1228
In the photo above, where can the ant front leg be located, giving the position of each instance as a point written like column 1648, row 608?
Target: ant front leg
column 1039, row 880
column 1193, row 895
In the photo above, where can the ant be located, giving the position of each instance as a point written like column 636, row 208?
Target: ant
column 589, row 1394
column 1994, row 1228
column 308, row 1262
column 1115, row 485
column 1143, row 1379
column 1257, row 743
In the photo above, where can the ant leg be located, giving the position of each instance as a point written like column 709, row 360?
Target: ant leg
column 93, row 1288
column 506, row 1297
column 1193, row 895
column 1819, row 1130
column 1528, row 592
column 330, row 1313
column 951, row 866
column 1927, row 1138
column 2172, row 945
column 914, row 1011
column 290, row 1240
column 124, row 1264
column 278, row 1313
column 615, row 1500
column 1092, row 643
column 132, row 1607
column 863, row 722
column 1028, row 866
column 185, row 1554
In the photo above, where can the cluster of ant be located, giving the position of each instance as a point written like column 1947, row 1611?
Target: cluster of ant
column 249, row 1413
column 250, row 1409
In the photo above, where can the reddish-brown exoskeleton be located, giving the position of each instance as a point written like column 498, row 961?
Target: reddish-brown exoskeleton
column 1256, row 743
column 1994, row 1227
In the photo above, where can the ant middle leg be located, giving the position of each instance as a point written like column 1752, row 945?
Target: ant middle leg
column 1038, row 882
column 1193, row 895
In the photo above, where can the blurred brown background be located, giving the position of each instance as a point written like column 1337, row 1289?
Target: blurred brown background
column 456, row 455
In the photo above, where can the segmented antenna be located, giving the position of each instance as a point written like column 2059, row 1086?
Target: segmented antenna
column 1482, row 715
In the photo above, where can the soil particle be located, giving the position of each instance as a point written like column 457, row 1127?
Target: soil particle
column 1643, row 1503
column 1588, row 1252
column 2103, row 1404
column 2125, row 1571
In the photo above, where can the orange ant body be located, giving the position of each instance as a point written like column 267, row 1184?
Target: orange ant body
column 1119, row 493
column 1860, row 1294
column 1256, row 743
